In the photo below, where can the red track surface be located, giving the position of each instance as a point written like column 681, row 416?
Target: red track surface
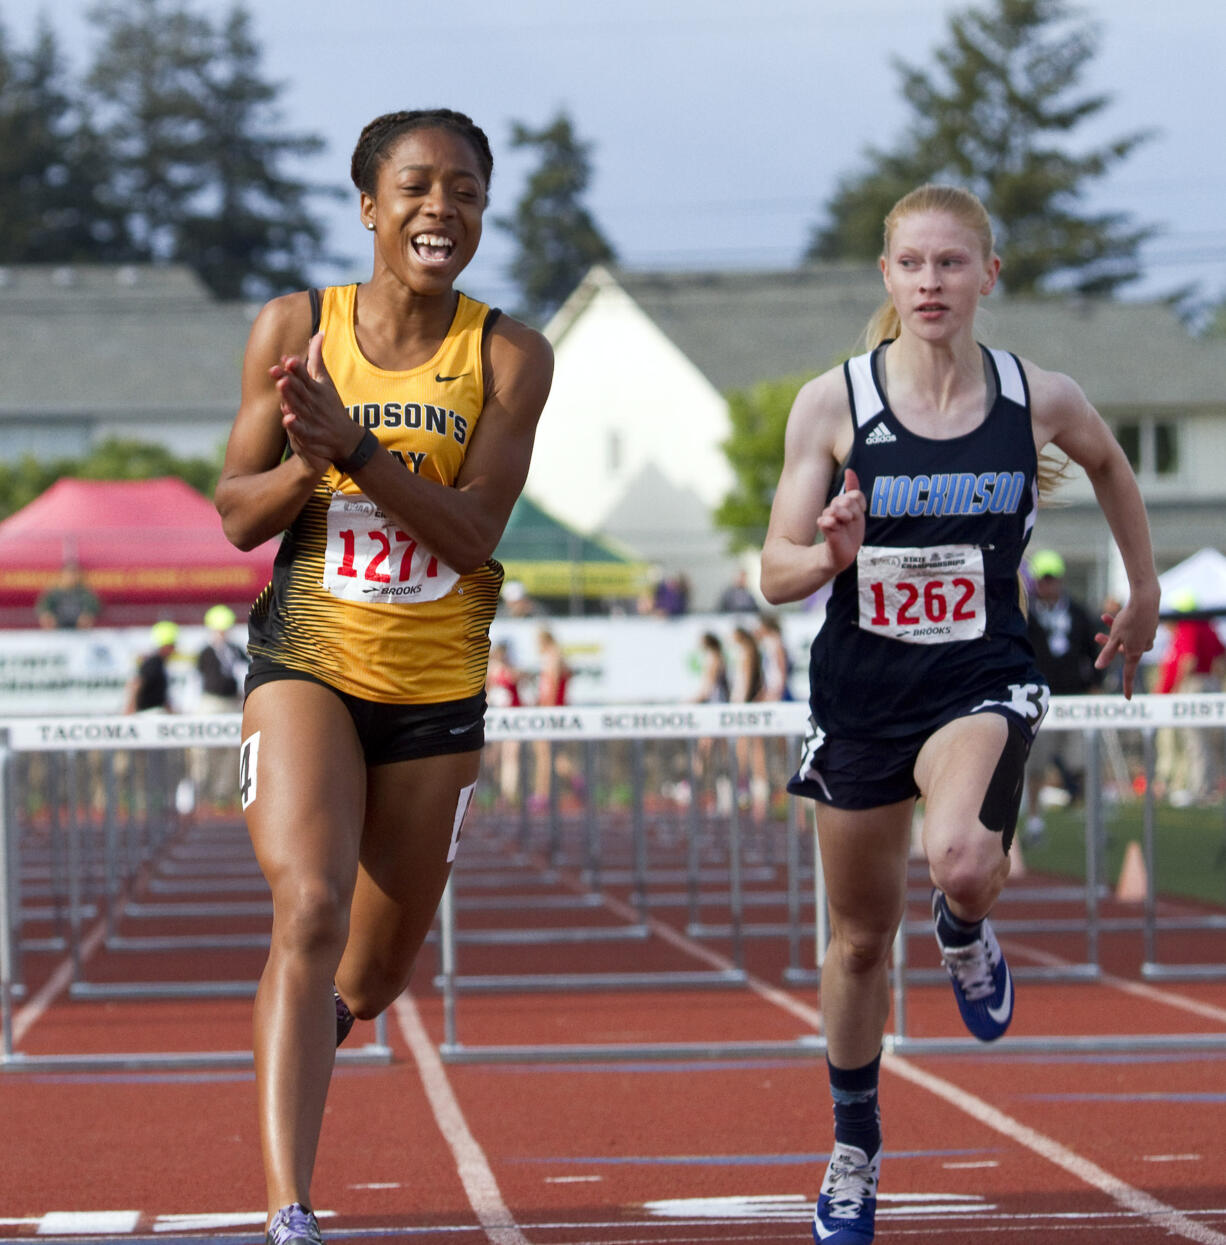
column 1004, row 1144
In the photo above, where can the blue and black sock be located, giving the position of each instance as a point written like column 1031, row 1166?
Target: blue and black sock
column 952, row 931
column 857, row 1117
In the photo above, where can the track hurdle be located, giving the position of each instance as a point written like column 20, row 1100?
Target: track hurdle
column 129, row 853
column 656, row 724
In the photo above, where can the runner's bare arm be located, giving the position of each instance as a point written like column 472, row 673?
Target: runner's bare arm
column 818, row 438
column 1064, row 416
column 261, row 491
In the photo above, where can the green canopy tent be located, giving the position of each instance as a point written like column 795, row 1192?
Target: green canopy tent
column 553, row 560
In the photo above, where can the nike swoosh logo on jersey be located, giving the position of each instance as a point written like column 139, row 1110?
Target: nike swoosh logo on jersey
column 880, row 435
column 463, row 730
column 442, row 380
column 1001, row 1014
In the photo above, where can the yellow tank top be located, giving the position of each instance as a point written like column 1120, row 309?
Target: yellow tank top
column 353, row 600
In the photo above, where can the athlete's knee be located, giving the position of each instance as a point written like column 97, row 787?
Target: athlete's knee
column 862, row 948
column 970, row 872
column 310, row 916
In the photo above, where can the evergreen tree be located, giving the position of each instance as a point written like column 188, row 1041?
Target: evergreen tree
column 147, row 85
column 53, row 169
column 254, row 236
column 556, row 238
column 191, row 125
column 996, row 119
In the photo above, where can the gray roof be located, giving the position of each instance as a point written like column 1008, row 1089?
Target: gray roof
column 739, row 328
column 97, row 339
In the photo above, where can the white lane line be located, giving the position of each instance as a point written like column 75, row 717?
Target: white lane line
column 89, row 1223
column 55, row 985
column 480, row 1186
column 1138, row 990
column 1123, row 1194
column 763, row 989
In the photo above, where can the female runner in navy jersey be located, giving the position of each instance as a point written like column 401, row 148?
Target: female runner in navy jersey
column 917, row 462
column 390, row 450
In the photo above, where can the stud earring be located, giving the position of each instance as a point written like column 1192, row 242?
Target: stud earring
column 370, row 224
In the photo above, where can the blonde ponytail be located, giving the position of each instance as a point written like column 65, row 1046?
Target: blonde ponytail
column 883, row 326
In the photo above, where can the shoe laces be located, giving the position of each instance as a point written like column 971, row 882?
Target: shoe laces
column 848, row 1184
column 972, row 967
column 294, row 1223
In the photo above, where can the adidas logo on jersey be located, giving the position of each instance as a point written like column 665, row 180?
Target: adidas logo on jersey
column 880, row 435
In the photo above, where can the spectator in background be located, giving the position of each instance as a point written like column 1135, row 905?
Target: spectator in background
column 502, row 692
column 776, row 664
column 69, row 603
column 736, row 598
column 776, row 676
column 1193, row 662
column 551, row 686
column 149, row 688
column 714, row 687
column 519, row 603
column 672, row 597
column 1062, row 633
column 747, row 685
column 222, row 666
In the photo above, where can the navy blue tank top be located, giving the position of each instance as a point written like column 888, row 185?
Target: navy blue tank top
column 926, row 623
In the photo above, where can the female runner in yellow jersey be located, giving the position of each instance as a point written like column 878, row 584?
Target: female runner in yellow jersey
column 409, row 422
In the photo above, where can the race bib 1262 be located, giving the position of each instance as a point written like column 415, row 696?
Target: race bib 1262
column 369, row 559
column 922, row 596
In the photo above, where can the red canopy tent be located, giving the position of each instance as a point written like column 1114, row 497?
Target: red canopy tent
column 149, row 549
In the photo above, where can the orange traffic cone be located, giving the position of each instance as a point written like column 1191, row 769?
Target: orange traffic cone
column 1133, row 885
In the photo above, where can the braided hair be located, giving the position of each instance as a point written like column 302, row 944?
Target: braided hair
column 377, row 137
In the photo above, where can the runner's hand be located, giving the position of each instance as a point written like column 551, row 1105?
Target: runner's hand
column 842, row 523
column 314, row 418
column 1130, row 633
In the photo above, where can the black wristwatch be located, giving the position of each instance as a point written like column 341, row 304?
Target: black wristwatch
column 360, row 456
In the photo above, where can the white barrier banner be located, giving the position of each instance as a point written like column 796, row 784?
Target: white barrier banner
column 582, row 722
column 612, row 660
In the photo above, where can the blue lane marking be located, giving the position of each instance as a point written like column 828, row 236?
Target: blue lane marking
column 655, row 1065
column 1154, row 1096
column 733, row 1160
column 187, row 1076
column 1121, row 1057
column 216, row 1238
column 134, row 1078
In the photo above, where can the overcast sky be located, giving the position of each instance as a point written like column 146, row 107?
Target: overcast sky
column 718, row 129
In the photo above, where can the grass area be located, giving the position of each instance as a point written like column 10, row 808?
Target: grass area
column 1189, row 847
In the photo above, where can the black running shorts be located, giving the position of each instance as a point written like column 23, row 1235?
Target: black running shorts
column 390, row 733
column 857, row 774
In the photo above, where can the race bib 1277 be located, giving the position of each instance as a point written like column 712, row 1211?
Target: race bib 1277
column 922, row 596
column 369, row 559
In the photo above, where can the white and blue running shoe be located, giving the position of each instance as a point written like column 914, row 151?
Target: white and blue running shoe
column 847, row 1204
column 293, row 1225
column 980, row 977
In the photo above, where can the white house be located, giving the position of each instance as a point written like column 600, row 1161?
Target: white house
column 630, row 442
